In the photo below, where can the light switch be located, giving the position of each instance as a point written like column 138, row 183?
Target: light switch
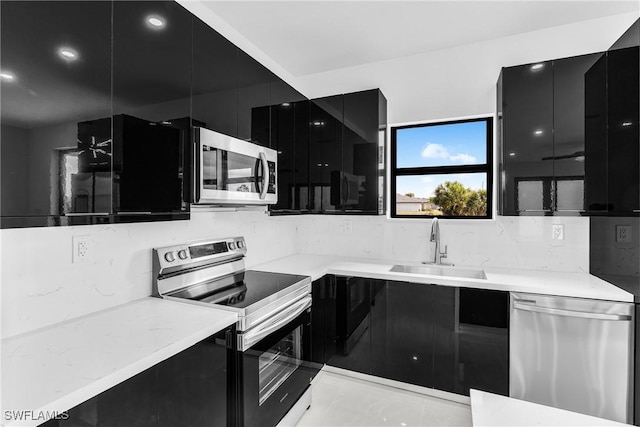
column 623, row 233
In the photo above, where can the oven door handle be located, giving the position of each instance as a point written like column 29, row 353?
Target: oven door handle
column 245, row 341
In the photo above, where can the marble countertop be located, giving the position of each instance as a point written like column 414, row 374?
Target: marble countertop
column 493, row 410
column 61, row 366
column 579, row 285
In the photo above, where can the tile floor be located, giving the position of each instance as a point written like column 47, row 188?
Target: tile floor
column 338, row 400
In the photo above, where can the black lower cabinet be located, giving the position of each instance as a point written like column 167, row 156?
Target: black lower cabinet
column 443, row 337
column 403, row 333
column 482, row 340
column 188, row 389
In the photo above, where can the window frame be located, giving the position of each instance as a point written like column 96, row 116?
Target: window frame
column 487, row 168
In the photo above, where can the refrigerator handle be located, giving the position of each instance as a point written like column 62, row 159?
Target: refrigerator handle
column 519, row 305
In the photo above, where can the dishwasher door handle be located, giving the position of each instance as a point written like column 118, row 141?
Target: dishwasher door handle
column 571, row 313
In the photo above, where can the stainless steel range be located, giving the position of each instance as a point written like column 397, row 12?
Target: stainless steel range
column 271, row 349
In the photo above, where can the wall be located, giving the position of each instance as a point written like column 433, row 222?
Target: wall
column 461, row 81
column 41, row 286
column 517, row 242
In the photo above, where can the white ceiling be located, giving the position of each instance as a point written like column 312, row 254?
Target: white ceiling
column 308, row 37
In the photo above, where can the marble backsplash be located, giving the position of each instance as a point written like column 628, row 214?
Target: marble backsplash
column 41, row 285
column 518, row 242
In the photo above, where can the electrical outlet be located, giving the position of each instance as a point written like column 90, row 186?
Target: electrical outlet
column 623, row 233
column 347, row 226
column 82, row 249
column 558, row 231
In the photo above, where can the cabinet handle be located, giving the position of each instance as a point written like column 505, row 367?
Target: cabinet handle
column 535, row 210
column 636, row 210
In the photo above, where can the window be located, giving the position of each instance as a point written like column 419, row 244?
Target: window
column 442, row 169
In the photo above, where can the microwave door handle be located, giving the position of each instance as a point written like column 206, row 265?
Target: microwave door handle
column 245, row 341
column 265, row 176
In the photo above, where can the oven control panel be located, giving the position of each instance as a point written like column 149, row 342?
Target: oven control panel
column 205, row 250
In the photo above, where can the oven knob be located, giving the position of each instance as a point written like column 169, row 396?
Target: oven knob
column 182, row 254
column 169, row 257
column 232, row 245
column 240, row 244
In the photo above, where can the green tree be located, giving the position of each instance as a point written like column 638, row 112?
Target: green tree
column 457, row 200
column 410, row 195
column 477, row 203
column 451, row 197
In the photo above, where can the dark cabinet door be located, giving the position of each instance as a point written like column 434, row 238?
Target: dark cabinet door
column 527, row 131
column 402, row 335
column 215, row 80
column 325, row 153
column 151, row 104
column 364, row 127
column 349, row 337
column 56, row 64
column 481, row 333
column 596, row 150
column 569, row 155
column 289, row 136
column 254, row 100
column 193, row 386
column 623, row 136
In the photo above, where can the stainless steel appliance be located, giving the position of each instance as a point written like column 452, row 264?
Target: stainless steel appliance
column 270, row 366
column 230, row 171
column 572, row 353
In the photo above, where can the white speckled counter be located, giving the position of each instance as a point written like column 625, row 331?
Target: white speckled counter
column 61, row 366
column 492, row 410
column 579, row 285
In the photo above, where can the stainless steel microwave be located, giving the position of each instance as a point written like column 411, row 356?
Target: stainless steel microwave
column 230, row 171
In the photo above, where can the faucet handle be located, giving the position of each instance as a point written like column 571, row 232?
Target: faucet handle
column 444, row 254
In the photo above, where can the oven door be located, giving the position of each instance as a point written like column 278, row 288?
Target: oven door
column 231, row 171
column 276, row 369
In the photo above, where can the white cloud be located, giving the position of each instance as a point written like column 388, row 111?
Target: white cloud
column 462, row 158
column 435, row 151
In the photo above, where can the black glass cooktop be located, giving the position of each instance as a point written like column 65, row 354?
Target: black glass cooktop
column 249, row 287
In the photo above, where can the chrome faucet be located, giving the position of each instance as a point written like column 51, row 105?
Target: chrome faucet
column 435, row 255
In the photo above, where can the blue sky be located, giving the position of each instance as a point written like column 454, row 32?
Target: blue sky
column 451, row 144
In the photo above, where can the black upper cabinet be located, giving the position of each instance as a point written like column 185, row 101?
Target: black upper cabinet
column 325, row 152
column 151, row 104
column 569, row 112
column 365, row 122
column 544, row 117
column 254, row 99
column 290, row 137
column 623, row 137
column 527, row 138
column 595, row 126
column 215, row 80
column 58, row 55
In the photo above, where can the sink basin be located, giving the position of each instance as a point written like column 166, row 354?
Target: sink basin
column 437, row 270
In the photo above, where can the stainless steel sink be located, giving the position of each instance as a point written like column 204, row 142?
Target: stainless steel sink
column 438, row 270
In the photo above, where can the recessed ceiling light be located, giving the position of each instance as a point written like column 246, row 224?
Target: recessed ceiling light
column 536, row 67
column 68, row 53
column 156, row 22
column 7, row 76
column 538, row 132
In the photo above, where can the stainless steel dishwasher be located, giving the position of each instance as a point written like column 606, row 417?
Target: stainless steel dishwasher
column 572, row 353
